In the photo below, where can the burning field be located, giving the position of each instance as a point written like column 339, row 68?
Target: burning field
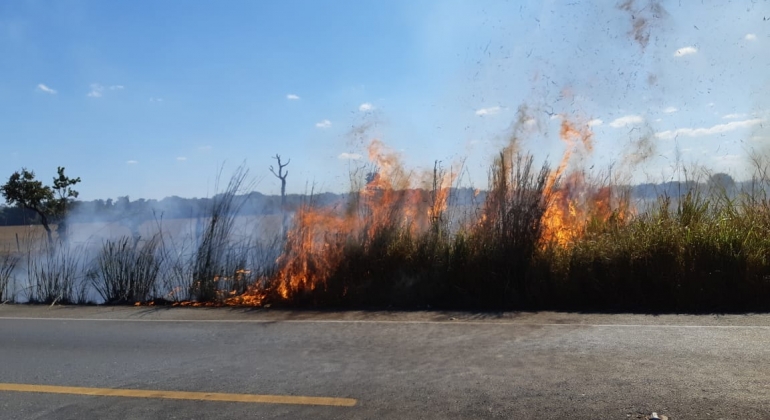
column 538, row 237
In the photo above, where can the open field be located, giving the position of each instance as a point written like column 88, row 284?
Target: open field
column 25, row 234
column 96, row 233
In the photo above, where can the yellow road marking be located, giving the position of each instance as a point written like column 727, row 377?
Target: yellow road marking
column 179, row 395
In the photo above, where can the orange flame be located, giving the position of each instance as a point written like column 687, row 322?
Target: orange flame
column 314, row 244
column 574, row 203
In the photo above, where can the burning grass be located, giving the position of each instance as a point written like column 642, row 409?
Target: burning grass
column 542, row 239
column 537, row 238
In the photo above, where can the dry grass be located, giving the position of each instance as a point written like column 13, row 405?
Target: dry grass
column 26, row 235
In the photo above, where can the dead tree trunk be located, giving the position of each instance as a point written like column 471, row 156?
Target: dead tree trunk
column 282, row 176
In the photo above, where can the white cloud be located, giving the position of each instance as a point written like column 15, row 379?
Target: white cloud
column 204, row 148
column 117, row 87
column 750, row 37
column 488, row 111
column 96, row 91
column 734, row 116
column 595, row 122
column 181, row 158
column 323, row 124
column 366, row 106
column 699, row 132
column 292, row 97
column 349, row 156
column 685, row 51
column 671, row 110
column 132, row 162
column 156, row 99
column 43, row 88
column 626, row 121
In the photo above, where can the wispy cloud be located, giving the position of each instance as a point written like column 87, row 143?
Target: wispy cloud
column 488, row 111
column 734, row 116
column 671, row 110
column 365, row 107
column 349, row 156
column 626, row 121
column 292, row 97
column 132, row 162
column 595, row 122
column 685, row 51
column 323, row 124
column 707, row 131
column 156, row 99
column 43, row 88
column 204, row 148
column 181, row 158
column 97, row 91
column 750, row 37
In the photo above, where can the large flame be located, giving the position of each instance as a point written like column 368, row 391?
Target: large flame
column 315, row 242
column 574, row 202
column 413, row 202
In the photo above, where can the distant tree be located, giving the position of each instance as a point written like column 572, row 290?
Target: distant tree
column 50, row 203
column 722, row 182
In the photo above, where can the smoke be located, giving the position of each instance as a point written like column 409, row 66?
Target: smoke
column 174, row 229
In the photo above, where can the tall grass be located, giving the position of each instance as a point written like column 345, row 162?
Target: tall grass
column 218, row 256
column 126, row 271
column 8, row 263
column 388, row 259
column 703, row 248
column 706, row 249
column 56, row 274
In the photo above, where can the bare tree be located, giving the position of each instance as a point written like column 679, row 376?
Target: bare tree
column 282, row 176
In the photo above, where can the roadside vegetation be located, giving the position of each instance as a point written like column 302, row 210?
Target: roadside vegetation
column 537, row 238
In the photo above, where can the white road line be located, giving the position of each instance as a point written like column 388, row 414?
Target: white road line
column 386, row 322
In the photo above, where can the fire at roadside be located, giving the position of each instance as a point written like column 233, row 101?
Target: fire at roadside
column 558, row 238
column 393, row 218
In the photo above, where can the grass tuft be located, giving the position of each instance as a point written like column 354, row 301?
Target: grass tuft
column 126, row 271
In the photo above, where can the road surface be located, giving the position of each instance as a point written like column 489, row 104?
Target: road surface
column 185, row 363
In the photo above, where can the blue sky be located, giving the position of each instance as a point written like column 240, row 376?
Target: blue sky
column 149, row 99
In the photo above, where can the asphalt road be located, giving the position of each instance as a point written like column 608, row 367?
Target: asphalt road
column 389, row 365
